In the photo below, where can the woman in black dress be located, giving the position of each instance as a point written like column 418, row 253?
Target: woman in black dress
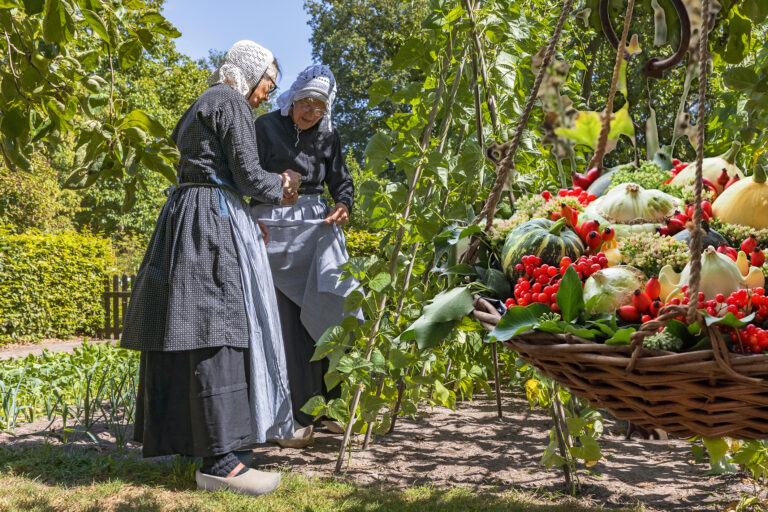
column 307, row 246
column 203, row 312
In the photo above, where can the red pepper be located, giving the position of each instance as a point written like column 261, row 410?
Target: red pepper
column 587, row 227
column 594, row 240
column 656, row 305
column 731, row 182
column 641, row 301
column 593, row 174
column 653, row 288
column 675, row 226
column 757, row 258
column 706, row 207
column 663, row 230
column 711, row 186
column 580, row 180
column 608, row 234
column 567, row 213
column 723, row 178
column 749, row 244
column 629, row 314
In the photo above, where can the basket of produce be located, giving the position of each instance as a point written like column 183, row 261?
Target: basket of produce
column 643, row 289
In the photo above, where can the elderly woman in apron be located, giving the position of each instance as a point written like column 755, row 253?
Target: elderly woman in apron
column 307, row 246
column 203, row 311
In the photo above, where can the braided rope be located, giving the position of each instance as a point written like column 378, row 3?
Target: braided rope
column 602, row 141
column 701, row 125
column 510, row 149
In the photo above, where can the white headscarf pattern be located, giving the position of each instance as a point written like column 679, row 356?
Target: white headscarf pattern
column 244, row 66
column 317, row 82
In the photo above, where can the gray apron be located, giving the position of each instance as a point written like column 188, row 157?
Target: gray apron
column 305, row 255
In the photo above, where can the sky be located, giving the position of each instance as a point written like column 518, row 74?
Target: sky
column 280, row 25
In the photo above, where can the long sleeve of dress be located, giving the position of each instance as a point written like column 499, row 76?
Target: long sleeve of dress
column 338, row 179
column 240, row 145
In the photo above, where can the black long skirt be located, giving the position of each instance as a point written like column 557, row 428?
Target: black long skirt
column 304, row 377
column 193, row 402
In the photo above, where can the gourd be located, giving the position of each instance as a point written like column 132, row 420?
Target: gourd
column 711, row 169
column 745, row 202
column 719, row 274
column 629, row 208
column 548, row 240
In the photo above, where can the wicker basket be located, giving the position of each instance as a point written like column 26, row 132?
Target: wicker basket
column 685, row 394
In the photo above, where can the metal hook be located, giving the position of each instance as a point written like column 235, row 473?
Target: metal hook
column 656, row 66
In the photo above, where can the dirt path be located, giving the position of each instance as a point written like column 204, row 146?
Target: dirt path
column 53, row 345
column 471, row 448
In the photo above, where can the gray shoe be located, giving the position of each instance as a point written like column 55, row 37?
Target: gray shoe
column 253, row 482
column 301, row 438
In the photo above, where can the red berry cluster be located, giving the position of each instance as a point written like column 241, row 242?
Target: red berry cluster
column 579, row 193
column 540, row 283
column 751, row 339
column 740, row 303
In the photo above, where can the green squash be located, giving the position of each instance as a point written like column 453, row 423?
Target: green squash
column 548, row 240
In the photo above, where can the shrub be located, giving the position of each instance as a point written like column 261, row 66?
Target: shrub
column 51, row 284
column 34, row 199
column 362, row 243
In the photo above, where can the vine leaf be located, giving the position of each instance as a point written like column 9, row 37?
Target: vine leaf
column 438, row 317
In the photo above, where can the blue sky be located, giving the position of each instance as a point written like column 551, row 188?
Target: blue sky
column 280, row 25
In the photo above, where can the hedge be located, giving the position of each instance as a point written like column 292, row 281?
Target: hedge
column 51, row 284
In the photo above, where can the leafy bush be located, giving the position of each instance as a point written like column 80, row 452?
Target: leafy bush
column 34, row 199
column 362, row 243
column 50, row 284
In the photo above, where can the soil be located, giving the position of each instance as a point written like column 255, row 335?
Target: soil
column 9, row 351
column 473, row 449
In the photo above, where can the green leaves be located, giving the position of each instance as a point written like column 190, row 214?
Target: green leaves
column 97, row 24
column 129, row 53
column 377, row 150
column 570, row 296
column 438, row 318
column 58, row 25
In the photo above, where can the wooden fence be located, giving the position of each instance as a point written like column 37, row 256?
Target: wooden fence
column 117, row 291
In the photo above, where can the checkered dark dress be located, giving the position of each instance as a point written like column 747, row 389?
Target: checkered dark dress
column 187, row 312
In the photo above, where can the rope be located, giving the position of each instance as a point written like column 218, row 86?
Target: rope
column 701, row 125
column 602, row 141
column 509, row 149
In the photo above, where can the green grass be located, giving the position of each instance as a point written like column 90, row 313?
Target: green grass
column 60, row 478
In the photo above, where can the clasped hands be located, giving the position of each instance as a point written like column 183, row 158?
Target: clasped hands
column 291, row 183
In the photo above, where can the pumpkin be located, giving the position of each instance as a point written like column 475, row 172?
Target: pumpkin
column 548, row 240
column 745, row 202
column 711, row 169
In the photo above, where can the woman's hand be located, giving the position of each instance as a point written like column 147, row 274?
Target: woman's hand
column 289, row 199
column 339, row 215
column 264, row 232
column 291, row 182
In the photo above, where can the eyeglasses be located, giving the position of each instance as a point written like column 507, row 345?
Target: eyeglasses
column 308, row 109
column 272, row 89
